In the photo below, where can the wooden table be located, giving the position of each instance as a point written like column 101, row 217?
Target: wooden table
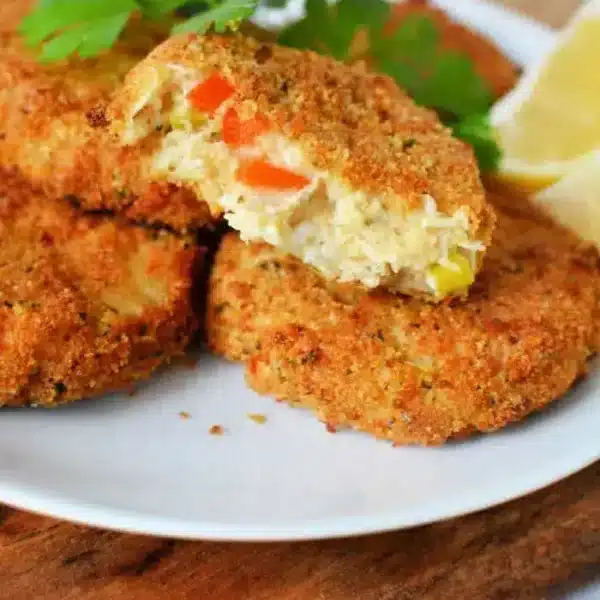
column 553, row 12
column 514, row 551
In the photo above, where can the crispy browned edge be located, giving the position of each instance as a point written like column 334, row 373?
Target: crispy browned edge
column 346, row 120
column 45, row 132
column 59, row 339
column 404, row 370
column 489, row 61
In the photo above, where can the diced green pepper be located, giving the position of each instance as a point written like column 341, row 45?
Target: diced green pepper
column 447, row 279
column 191, row 120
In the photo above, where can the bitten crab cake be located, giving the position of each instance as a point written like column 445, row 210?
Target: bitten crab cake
column 402, row 369
column 88, row 304
column 325, row 161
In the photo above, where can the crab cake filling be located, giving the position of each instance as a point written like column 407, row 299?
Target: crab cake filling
column 236, row 160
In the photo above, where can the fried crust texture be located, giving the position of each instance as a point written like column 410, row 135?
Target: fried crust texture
column 404, row 370
column 88, row 304
column 45, row 115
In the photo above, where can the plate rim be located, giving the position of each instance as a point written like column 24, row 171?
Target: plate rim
column 38, row 501
column 127, row 521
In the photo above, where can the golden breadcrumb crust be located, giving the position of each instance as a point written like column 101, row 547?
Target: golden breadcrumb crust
column 489, row 61
column 349, row 122
column 45, row 114
column 87, row 304
column 405, row 370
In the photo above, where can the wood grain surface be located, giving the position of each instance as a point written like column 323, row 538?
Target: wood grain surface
column 553, row 12
column 515, row 551
column 511, row 552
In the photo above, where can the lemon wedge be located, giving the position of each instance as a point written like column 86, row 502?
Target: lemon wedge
column 574, row 201
column 551, row 120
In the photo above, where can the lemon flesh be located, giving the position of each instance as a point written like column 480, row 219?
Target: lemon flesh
column 552, row 118
column 575, row 200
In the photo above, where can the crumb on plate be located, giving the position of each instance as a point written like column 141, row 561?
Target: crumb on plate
column 257, row 418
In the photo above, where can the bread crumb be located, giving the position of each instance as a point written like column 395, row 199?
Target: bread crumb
column 258, row 418
column 185, row 415
column 216, row 430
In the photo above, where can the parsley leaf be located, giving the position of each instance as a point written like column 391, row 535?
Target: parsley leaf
column 310, row 32
column 276, row 3
column 87, row 27
column 440, row 79
column 88, row 39
column 76, row 22
column 154, row 9
column 332, row 29
column 477, row 131
column 222, row 16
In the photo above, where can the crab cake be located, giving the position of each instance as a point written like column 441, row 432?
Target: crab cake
column 402, row 369
column 45, row 132
column 325, row 161
column 87, row 304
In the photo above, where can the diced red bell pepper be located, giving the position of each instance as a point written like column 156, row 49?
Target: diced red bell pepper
column 242, row 133
column 258, row 173
column 208, row 95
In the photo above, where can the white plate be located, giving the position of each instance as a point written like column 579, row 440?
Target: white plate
column 134, row 464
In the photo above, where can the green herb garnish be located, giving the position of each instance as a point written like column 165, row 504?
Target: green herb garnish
column 331, row 30
column 87, row 27
column 220, row 16
column 476, row 130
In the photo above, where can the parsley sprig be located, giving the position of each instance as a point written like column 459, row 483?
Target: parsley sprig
column 412, row 53
column 87, row 27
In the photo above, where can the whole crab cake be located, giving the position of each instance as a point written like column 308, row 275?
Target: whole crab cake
column 323, row 160
column 402, row 369
column 87, row 304
column 45, row 132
